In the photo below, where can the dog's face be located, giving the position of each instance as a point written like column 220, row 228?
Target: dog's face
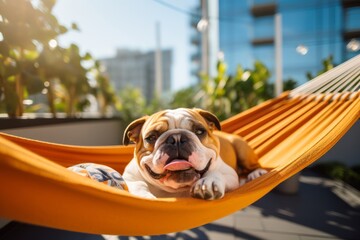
column 174, row 148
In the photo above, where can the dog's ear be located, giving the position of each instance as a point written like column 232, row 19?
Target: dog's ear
column 210, row 118
column 132, row 132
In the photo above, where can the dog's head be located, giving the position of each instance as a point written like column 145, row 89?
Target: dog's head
column 174, row 148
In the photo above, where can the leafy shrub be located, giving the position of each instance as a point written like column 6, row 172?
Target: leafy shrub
column 340, row 171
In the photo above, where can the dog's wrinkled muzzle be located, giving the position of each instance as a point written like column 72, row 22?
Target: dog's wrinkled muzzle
column 179, row 171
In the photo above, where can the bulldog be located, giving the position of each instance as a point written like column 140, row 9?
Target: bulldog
column 179, row 153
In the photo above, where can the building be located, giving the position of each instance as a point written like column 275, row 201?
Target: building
column 195, row 43
column 312, row 30
column 131, row 68
column 204, row 38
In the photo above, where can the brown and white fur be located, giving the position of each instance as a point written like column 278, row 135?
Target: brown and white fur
column 179, row 153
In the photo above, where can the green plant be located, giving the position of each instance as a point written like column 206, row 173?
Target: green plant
column 184, row 97
column 64, row 66
column 103, row 90
column 340, row 171
column 327, row 64
column 31, row 62
column 25, row 27
column 226, row 95
column 132, row 104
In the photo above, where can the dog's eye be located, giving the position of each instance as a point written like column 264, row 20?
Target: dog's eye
column 200, row 131
column 151, row 138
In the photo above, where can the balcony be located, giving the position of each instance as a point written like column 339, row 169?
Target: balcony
column 350, row 3
column 263, row 10
column 348, row 35
column 262, row 41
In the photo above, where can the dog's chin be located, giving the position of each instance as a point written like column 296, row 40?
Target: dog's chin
column 183, row 177
column 178, row 178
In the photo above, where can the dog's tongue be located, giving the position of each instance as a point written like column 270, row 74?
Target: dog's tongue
column 177, row 165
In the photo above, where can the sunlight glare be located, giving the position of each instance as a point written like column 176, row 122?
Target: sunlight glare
column 353, row 45
column 302, row 49
column 28, row 102
column 202, row 25
column 53, row 43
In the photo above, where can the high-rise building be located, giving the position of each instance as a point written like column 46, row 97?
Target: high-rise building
column 204, row 38
column 312, row 30
column 195, row 43
column 131, row 68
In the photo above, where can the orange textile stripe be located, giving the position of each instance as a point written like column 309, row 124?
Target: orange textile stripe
column 67, row 155
column 261, row 122
column 325, row 128
column 233, row 124
column 275, row 133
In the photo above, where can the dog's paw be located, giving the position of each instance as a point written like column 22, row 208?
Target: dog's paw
column 208, row 188
column 255, row 174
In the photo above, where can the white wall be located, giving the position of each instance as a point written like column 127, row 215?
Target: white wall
column 91, row 133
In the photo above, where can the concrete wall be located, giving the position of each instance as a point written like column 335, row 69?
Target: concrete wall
column 91, row 133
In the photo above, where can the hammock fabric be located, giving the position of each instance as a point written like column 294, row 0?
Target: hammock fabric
column 288, row 133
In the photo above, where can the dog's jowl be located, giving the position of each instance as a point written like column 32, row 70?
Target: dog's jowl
column 183, row 153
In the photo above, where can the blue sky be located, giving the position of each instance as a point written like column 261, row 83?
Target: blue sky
column 106, row 25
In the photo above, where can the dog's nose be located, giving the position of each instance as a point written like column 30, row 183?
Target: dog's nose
column 170, row 140
column 175, row 139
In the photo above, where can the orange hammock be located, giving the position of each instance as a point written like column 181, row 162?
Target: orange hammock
column 288, row 133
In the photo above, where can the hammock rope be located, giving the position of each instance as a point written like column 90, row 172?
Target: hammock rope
column 343, row 78
column 288, row 133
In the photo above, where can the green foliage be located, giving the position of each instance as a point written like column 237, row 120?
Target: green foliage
column 64, row 64
column 103, row 90
column 289, row 84
column 337, row 170
column 25, row 29
column 327, row 64
column 132, row 104
column 31, row 62
column 223, row 94
column 226, row 95
column 184, row 97
column 156, row 104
